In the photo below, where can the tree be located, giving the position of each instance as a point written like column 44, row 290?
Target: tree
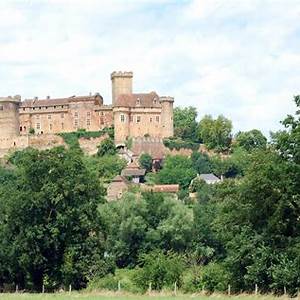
column 250, row 140
column 145, row 161
column 177, row 169
column 50, row 227
column 215, row 134
column 107, row 147
column 185, row 124
column 201, row 162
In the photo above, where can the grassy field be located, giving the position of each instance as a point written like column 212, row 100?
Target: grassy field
column 104, row 296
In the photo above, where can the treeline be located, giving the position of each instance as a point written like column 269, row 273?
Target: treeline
column 216, row 134
column 57, row 229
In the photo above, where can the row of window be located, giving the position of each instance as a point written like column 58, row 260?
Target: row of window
column 45, row 107
column 76, row 124
column 138, row 119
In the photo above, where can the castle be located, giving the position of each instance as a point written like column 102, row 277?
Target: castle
column 133, row 115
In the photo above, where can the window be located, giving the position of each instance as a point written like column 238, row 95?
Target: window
column 101, row 113
column 38, row 126
column 138, row 119
column 157, row 118
column 37, row 116
column 49, row 117
column 138, row 101
column 62, row 115
column 1, row 107
column 62, row 126
column 154, row 101
column 88, row 114
column 88, row 122
column 76, row 122
column 122, row 118
column 50, row 127
column 76, row 114
column 21, row 128
column 150, row 120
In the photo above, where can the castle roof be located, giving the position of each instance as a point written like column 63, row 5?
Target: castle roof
column 59, row 101
column 138, row 100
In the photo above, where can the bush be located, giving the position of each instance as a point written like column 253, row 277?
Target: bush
column 177, row 143
column 191, row 280
column 159, row 269
column 107, row 147
column 215, row 278
column 111, row 281
column 145, row 161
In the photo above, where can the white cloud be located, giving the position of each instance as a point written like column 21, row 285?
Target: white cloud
column 239, row 58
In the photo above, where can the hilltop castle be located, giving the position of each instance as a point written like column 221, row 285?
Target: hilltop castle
column 132, row 114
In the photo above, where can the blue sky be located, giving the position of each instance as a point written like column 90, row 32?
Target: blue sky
column 240, row 58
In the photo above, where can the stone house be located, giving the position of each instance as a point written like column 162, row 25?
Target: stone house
column 134, row 172
column 117, row 188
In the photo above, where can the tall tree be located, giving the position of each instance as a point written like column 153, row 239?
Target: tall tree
column 50, row 227
column 250, row 140
column 185, row 124
column 215, row 133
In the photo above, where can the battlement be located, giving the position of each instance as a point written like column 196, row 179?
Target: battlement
column 166, row 99
column 116, row 74
column 15, row 99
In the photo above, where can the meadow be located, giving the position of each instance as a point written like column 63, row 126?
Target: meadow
column 116, row 296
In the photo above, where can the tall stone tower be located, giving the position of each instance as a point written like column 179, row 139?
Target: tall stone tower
column 167, row 122
column 9, row 117
column 121, row 84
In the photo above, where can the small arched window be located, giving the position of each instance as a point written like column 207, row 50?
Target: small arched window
column 138, row 101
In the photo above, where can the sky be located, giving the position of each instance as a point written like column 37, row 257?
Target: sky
column 239, row 58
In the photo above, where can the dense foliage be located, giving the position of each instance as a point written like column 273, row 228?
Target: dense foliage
column 50, row 231
column 145, row 161
column 56, row 228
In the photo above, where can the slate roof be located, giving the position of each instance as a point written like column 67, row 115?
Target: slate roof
column 131, row 100
column 209, row 177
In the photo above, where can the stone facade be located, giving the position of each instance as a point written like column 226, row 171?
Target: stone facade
column 133, row 115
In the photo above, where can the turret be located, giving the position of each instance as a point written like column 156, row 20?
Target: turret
column 167, row 116
column 121, row 84
column 9, row 117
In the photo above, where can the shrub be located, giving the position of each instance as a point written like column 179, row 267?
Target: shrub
column 177, row 144
column 159, row 269
column 145, row 161
column 107, row 147
column 215, row 278
column 111, row 281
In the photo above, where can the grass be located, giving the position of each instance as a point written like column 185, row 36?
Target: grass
column 117, row 296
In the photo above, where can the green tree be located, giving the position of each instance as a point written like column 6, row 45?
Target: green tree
column 250, row 140
column 185, row 124
column 145, row 161
column 177, row 169
column 107, row 147
column 50, row 226
column 215, row 134
column 201, row 162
